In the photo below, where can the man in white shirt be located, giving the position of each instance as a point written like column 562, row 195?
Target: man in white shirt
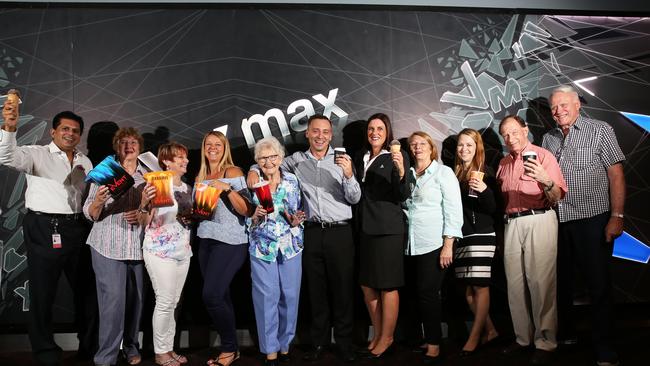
column 54, row 229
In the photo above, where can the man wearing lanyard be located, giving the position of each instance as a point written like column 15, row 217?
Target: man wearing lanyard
column 591, row 214
column 328, row 189
column 54, row 229
column 531, row 182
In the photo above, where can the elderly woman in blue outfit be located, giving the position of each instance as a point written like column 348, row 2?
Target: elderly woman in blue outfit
column 435, row 217
column 275, row 248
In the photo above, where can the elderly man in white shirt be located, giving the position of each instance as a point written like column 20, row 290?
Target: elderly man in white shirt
column 54, row 228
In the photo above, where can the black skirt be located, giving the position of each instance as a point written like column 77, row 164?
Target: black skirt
column 381, row 260
column 473, row 259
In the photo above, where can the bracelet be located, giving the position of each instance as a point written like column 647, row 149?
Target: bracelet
column 619, row 215
column 143, row 210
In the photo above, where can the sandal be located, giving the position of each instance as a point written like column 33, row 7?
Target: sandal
column 177, row 357
column 134, row 360
column 216, row 362
column 168, row 362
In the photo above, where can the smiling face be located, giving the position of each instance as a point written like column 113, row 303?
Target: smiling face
column 465, row 149
column 319, row 135
column 269, row 161
column 178, row 164
column 514, row 135
column 565, row 108
column 420, row 148
column 128, row 148
column 66, row 135
column 376, row 134
column 214, row 149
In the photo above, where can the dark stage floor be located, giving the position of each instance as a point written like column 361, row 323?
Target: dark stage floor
column 633, row 345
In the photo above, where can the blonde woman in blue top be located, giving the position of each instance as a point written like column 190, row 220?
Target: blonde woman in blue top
column 223, row 240
column 275, row 250
column 435, row 218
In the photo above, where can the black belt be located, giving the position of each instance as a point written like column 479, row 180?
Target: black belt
column 325, row 225
column 74, row 216
column 533, row 211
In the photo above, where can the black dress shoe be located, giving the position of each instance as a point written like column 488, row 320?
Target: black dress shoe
column 346, row 354
column 513, row 348
column 284, row 357
column 542, row 357
column 273, row 362
column 432, row 360
column 315, row 354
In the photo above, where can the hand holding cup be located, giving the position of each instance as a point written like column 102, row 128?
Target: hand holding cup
column 343, row 160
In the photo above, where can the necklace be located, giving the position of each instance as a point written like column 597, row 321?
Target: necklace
column 420, row 172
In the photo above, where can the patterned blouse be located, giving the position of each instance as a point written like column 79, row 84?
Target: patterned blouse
column 274, row 236
column 111, row 236
column 166, row 236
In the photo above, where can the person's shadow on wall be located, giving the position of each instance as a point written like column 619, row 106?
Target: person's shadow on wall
column 100, row 140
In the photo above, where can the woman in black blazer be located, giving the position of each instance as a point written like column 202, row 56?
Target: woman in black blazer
column 382, row 228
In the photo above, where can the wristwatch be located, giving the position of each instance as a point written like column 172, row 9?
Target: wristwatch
column 548, row 188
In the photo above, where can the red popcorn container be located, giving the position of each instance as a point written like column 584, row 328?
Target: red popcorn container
column 263, row 193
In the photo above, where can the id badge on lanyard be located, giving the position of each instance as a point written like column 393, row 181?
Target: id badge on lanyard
column 56, row 237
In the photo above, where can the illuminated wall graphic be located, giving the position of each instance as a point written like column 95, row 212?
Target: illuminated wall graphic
column 642, row 120
column 176, row 73
column 630, row 248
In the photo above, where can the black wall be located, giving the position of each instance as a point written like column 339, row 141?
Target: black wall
column 179, row 72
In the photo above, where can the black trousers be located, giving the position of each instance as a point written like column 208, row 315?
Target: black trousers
column 45, row 266
column 328, row 265
column 422, row 303
column 582, row 248
column 219, row 263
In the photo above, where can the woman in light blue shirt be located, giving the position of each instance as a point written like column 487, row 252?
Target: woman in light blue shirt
column 223, row 240
column 435, row 218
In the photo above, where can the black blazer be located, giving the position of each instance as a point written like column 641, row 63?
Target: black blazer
column 380, row 211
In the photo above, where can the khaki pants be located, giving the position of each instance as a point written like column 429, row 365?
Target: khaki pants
column 530, row 252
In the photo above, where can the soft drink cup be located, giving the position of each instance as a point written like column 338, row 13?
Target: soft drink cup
column 474, row 174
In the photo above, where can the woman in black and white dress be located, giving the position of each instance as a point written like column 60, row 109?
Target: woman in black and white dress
column 474, row 253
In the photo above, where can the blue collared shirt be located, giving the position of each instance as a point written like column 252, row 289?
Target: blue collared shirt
column 434, row 210
column 326, row 193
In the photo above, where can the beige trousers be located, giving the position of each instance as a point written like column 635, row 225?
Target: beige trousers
column 530, row 252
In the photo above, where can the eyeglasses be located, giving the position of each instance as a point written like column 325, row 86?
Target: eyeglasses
column 129, row 142
column 270, row 158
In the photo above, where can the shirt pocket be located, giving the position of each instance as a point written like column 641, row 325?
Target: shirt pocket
column 583, row 158
column 528, row 186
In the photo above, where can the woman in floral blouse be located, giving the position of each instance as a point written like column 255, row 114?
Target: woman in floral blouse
column 167, row 252
column 276, row 254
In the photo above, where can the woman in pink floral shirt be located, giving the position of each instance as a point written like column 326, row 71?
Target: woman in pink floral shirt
column 167, row 252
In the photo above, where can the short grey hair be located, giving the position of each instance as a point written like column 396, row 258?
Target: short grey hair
column 565, row 89
column 269, row 143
